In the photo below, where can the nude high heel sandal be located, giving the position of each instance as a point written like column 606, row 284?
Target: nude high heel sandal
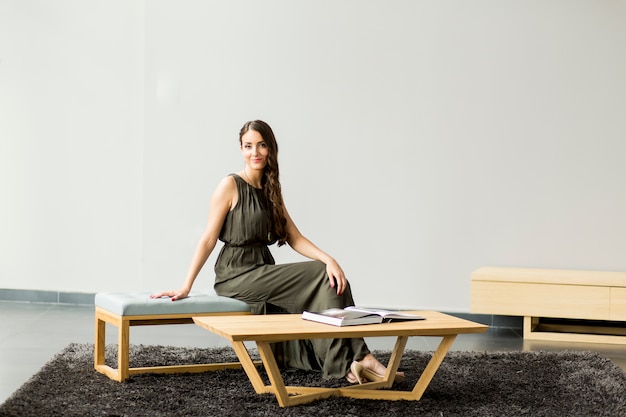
column 362, row 373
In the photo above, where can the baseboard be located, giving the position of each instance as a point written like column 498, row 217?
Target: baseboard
column 51, row 297
column 493, row 320
column 59, row 297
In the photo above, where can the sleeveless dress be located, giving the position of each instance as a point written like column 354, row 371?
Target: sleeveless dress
column 245, row 270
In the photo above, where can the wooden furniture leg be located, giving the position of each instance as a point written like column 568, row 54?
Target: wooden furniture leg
column 288, row 396
column 394, row 360
column 250, row 367
column 123, row 353
column 99, row 343
column 300, row 395
column 356, row 391
column 123, row 324
column 433, row 365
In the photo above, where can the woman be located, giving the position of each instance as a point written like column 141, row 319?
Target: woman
column 247, row 213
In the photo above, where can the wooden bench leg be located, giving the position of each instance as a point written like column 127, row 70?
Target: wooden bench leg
column 99, row 343
column 123, row 324
column 123, row 343
column 102, row 318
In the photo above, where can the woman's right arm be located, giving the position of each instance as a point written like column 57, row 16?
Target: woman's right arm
column 224, row 198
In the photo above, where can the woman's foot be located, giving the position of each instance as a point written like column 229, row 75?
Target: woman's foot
column 369, row 369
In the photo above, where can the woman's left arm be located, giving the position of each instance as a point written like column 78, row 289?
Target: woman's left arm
column 305, row 247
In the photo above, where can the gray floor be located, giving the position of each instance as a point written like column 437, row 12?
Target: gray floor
column 34, row 332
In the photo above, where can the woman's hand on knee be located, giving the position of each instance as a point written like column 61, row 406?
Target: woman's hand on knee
column 336, row 277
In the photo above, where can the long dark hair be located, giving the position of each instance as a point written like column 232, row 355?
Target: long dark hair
column 270, row 180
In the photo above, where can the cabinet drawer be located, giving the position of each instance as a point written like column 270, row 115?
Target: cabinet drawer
column 541, row 300
column 618, row 304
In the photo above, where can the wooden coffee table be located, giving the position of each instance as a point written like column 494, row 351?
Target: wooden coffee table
column 266, row 329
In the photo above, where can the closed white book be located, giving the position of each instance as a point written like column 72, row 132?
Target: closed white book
column 351, row 316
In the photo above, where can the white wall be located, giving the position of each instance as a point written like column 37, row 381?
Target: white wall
column 419, row 140
column 71, row 132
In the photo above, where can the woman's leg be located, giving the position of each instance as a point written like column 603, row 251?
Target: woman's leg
column 294, row 288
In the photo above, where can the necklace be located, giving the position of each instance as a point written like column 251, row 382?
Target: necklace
column 247, row 178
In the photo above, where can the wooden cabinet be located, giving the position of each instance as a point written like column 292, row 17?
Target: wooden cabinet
column 591, row 305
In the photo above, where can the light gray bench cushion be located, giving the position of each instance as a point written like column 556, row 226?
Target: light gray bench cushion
column 140, row 304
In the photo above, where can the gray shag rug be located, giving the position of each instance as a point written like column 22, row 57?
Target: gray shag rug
column 467, row 384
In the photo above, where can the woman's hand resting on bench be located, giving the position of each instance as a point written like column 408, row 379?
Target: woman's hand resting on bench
column 173, row 295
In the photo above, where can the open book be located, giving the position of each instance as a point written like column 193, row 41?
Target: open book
column 351, row 316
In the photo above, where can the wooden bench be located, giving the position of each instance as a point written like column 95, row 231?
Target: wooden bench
column 560, row 305
column 123, row 310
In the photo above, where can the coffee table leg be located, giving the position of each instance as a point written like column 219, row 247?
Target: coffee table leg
column 433, row 365
column 276, row 379
column 394, row 360
column 365, row 391
column 299, row 395
column 250, row 368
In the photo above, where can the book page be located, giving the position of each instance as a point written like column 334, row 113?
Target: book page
column 347, row 313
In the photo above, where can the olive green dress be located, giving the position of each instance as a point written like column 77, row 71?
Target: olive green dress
column 245, row 270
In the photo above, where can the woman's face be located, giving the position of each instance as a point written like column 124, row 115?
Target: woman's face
column 254, row 149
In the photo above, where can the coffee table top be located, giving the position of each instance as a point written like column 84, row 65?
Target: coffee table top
column 282, row 327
